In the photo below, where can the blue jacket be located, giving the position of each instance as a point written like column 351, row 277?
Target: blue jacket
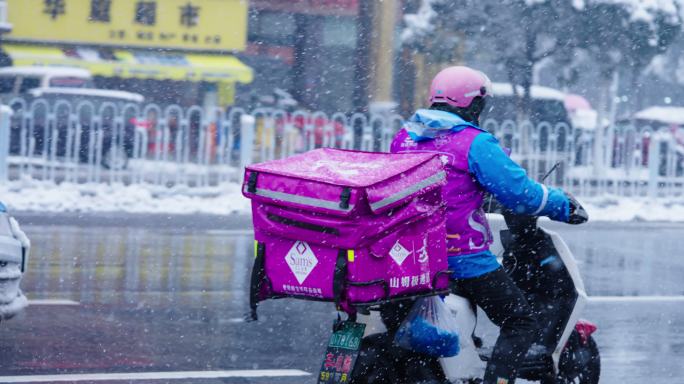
column 494, row 170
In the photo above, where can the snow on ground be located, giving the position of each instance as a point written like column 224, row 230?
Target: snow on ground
column 616, row 208
column 37, row 196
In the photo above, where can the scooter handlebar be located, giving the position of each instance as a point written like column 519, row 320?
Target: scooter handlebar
column 578, row 215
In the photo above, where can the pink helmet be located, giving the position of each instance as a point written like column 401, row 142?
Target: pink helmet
column 458, row 86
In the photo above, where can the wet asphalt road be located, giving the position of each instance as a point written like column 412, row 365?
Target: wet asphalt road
column 168, row 293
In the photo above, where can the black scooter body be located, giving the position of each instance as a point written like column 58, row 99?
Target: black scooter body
column 532, row 260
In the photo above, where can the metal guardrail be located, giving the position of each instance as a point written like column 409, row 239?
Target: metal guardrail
column 87, row 142
column 638, row 160
column 5, row 114
column 91, row 142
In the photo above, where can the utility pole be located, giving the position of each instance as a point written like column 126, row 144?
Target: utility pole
column 362, row 56
column 382, row 68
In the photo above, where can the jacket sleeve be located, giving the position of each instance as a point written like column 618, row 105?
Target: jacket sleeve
column 508, row 182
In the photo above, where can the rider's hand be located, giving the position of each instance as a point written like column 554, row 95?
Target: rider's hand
column 577, row 213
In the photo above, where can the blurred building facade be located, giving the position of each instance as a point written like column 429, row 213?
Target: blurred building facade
column 331, row 55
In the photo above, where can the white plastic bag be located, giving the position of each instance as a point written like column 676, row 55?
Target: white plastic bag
column 429, row 328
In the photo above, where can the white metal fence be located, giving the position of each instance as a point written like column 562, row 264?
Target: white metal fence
column 91, row 142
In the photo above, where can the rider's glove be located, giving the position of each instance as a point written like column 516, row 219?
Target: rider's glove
column 577, row 213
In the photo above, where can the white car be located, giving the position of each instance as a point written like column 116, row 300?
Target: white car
column 17, row 81
column 14, row 252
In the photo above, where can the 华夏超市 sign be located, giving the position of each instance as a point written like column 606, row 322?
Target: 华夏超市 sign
column 207, row 25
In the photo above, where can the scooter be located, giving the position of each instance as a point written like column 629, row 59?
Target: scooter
column 542, row 266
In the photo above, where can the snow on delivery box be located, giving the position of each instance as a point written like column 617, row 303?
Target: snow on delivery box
column 349, row 227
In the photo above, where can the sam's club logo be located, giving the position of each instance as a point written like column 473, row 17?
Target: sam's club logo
column 301, row 260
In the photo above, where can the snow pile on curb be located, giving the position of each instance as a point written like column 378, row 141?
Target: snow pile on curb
column 617, row 208
column 38, row 196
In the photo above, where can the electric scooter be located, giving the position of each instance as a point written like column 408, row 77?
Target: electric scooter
column 542, row 266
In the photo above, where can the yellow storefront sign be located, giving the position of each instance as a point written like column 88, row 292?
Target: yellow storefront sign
column 206, row 25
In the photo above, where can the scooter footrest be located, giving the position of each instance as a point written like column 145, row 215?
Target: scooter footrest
column 535, row 368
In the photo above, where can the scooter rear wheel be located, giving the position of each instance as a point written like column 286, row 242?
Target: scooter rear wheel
column 580, row 362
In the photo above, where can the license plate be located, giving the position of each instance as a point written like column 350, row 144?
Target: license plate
column 340, row 357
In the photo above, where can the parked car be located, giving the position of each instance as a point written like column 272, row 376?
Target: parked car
column 117, row 145
column 581, row 113
column 18, row 81
column 670, row 118
column 660, row 116
column 14, row 253
column 548, row 104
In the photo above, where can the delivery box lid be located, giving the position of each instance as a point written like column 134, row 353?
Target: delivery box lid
column 335, row 180
column 344, row 167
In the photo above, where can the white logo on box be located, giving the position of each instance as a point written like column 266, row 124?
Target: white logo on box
column 399, row 253
column 423, row 253
column 301, row 260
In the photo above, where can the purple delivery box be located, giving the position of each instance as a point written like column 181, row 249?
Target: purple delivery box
column 355, row 228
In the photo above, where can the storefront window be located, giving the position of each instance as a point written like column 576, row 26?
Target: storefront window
column 273, row 28
column 29, row 83
column 339, row 32
column 7, row 84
